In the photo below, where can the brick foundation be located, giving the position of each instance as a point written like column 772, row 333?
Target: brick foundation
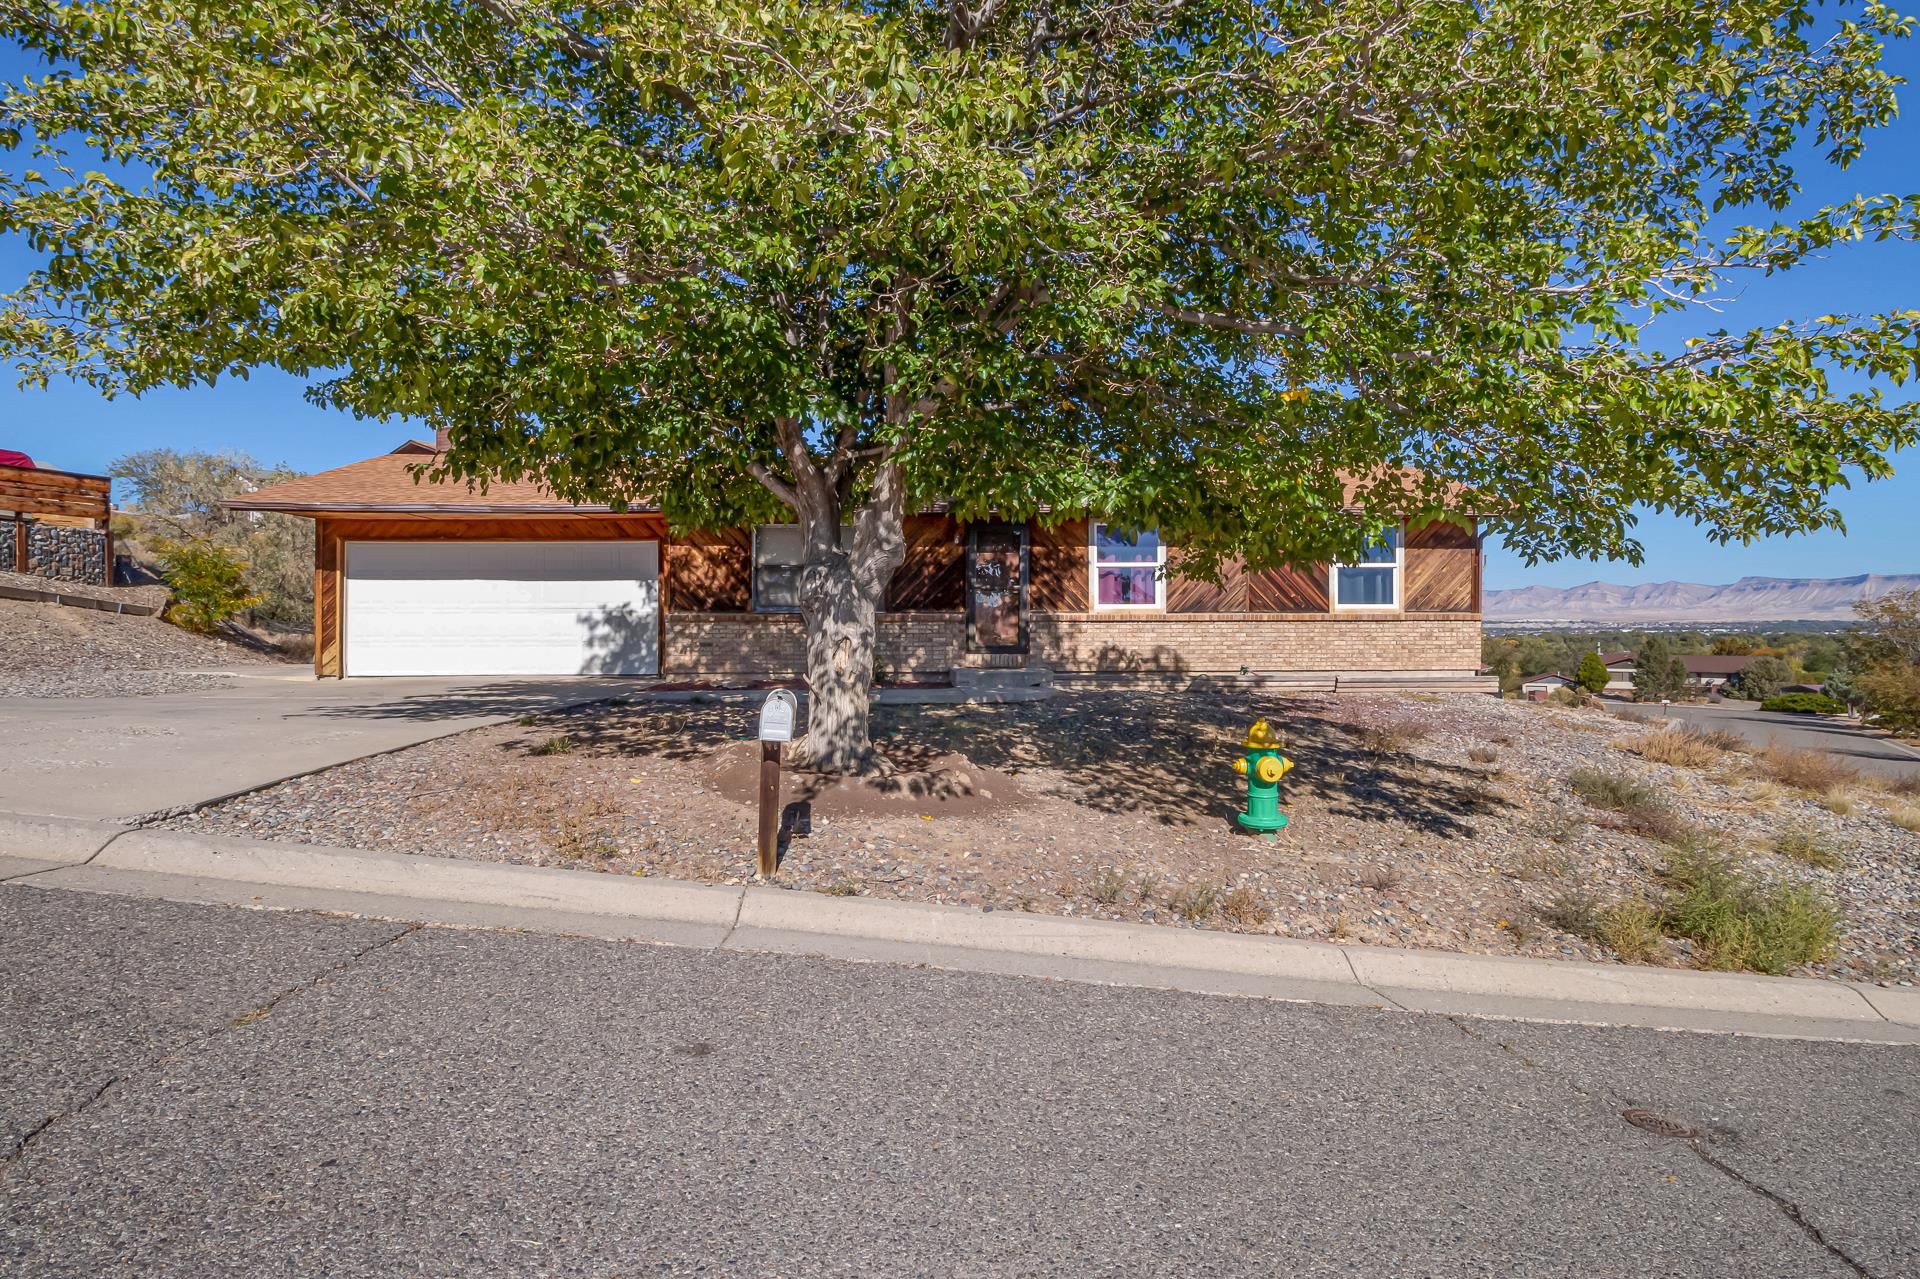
column 929, row 645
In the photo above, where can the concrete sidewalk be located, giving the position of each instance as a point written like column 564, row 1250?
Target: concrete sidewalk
column 106, row 858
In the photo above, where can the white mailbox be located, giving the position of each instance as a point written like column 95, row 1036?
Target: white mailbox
column 777, row 714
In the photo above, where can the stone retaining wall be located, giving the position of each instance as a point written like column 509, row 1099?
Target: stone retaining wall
column 63, row 553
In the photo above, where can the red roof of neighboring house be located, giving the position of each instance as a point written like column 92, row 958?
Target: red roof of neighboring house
column 387, row 483
column 1620, row 658
column 12, row 457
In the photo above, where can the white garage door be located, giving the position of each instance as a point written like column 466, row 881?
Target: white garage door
column 502, row 608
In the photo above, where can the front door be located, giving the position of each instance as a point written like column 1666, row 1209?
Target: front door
column 997, row 588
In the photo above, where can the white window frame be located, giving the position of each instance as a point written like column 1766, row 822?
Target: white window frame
column 1399, row 573
column 753, row 568
column 1094, row 565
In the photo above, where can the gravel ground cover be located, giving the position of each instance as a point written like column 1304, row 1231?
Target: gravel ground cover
column 51, row 650
column 1417, row 820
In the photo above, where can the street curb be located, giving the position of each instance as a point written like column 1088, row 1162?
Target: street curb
column 180, row 866
column 60, row 840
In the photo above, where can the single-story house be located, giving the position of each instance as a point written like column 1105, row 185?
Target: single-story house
column 1538, row 688
column 440, row 579
column 1710, row 670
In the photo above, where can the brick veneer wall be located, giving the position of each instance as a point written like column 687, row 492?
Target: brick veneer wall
column 1227, row 643
column 773, row 645
column 921, row 645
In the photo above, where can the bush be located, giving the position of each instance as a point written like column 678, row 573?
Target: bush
column 1892, row 691
column 1763, row 678
column 1740, row 922
column 1804, row 704
column 1805, row 844
column 1570, row 697
column 208, row 581
column 1813, row 771
column 1593, row 674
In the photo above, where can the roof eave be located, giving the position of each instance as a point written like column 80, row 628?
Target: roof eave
column 427, row 508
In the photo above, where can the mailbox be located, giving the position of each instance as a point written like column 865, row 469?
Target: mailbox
column 777, row 714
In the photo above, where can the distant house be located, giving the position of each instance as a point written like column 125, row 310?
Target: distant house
column 1711, row 670
column 1538, row 688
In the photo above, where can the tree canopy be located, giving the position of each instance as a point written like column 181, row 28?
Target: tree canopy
column 1220, row 268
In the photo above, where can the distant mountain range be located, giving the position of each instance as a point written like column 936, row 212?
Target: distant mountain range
column 1751, row 599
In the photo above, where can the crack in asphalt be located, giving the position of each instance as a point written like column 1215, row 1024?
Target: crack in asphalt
column 12, row 1158
column 1786, row 1207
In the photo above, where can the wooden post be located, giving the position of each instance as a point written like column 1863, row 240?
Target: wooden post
column 769, row 809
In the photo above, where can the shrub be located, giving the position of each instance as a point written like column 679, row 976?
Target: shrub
column 1570, row 697
column 1195, row 901
column 1593, row 674
column 1814, row 771
column 1892, row 691
column 1804, row 704
column 1108, row 885
column 1641, row 808
column 1629, row 927
column 1483, row 755
column 1762, row 678
column 1805, row 844
column 1677, row 745
column 208, row 582
column 1740, row 922
column 560, row 744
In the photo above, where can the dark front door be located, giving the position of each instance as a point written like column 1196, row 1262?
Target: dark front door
column 997, row 588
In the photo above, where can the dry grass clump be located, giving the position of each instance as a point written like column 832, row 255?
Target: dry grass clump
column 1803, row 843
column 1905, row 816
column 1195, row 901
column 559, row 744
column 1393, row 736
column 1630, row 927
column 1680, row 746
column 1815, row 772
column 1641, row 808
column 1243, row 908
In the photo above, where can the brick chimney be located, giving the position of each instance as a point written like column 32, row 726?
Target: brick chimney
column 439, row 439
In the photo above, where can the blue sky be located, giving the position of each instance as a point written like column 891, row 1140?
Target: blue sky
column 266, row 415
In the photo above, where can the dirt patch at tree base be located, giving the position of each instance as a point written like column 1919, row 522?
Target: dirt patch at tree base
column 948, row 785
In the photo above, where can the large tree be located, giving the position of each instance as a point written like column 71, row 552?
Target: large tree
column 1229, row 270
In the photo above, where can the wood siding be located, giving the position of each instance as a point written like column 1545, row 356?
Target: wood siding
column 1195, row 595
column 63, row 493
column 1288, row 590
column 1057, row 568
column 933, row 576
column 1443, row 569
column 710, row 572
column 326, row 599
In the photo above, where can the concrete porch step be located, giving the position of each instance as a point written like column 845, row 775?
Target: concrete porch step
column 974, row 679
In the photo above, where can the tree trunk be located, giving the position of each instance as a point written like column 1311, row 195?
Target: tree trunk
column 841, row 593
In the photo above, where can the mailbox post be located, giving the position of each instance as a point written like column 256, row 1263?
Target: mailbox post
column 777, row 714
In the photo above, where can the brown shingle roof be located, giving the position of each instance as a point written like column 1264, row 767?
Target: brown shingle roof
column 386, row 483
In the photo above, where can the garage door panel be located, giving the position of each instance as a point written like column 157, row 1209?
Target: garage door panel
column 502, row 608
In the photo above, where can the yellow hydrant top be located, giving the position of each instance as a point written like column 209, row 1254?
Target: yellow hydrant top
column 1261, row 737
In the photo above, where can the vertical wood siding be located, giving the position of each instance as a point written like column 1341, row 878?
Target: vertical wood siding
column 933, row 576
column 711, row 571
column 1057, row 567
column 326, row 599
column 1443, row 569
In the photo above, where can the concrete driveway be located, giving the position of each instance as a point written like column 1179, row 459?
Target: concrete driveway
column 1872, row 752
column 121, row 757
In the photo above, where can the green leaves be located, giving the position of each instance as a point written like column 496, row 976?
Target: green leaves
column 1223, row 269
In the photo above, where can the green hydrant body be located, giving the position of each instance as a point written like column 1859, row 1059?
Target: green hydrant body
column 1263, row 766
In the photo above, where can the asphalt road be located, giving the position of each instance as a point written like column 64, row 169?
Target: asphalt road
column 1874, row 752
column 210, row 1092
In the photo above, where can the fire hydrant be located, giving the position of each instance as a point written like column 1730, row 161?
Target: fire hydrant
column 1263, row 766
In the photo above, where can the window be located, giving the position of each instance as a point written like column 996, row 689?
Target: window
column 778, row 552
column 1126, row 568
column 1374, row 581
